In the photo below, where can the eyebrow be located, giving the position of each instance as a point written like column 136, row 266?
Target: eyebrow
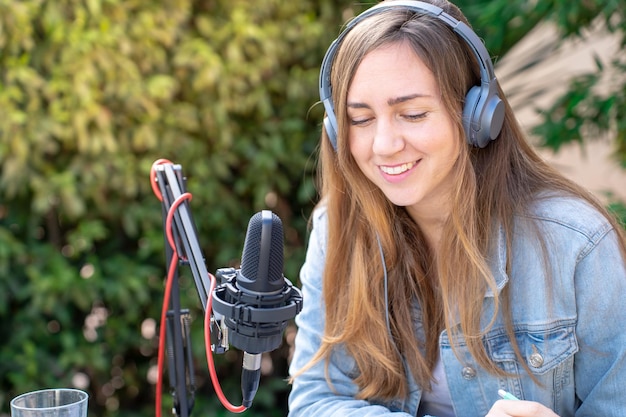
column 390, row 102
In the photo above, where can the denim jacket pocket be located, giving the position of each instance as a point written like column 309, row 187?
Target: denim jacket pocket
column 548, row 349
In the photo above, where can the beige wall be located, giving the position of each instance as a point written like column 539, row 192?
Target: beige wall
column 591, row 166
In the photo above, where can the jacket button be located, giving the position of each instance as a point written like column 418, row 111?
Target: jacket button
column 536, row 360
column 468, row 372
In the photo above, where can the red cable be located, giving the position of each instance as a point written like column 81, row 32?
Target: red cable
column 166, row 299
column 209, row 356
column 153, row 182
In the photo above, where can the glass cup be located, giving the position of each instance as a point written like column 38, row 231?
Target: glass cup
column 55, row 402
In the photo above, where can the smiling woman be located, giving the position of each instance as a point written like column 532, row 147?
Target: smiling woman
column 401, row 135
column 447, row 261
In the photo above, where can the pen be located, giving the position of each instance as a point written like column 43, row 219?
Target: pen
column 506, row 395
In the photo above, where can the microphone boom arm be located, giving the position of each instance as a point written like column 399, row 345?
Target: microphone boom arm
column 171, row 183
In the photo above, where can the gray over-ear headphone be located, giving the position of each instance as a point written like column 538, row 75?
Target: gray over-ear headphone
column 483, row 111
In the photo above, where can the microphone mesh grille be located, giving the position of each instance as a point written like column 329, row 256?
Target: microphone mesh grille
column 276, row 257
column 250, row 258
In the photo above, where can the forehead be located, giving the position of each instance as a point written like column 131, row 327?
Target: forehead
column 392, row 69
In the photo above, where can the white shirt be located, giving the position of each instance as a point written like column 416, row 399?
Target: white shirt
column 437, row 403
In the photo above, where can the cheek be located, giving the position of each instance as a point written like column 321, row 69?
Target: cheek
column 359, row 148
column 357, row 160
column 437, row 141
column 451, row 155
column 444, row 139
column 444, row 150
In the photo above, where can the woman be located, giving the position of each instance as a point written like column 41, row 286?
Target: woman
column 447, row 261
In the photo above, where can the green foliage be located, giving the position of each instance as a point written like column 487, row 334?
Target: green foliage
column 584, row 111
column 619, row 209
column 501, row 24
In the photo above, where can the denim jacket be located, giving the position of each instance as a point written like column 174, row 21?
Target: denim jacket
column 571, row 330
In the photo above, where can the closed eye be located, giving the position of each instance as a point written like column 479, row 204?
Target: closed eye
column 415, row 117
column 360, row 122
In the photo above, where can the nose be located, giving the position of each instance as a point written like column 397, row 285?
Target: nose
column 387, row 140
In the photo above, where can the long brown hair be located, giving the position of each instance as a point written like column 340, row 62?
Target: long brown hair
column 492, row 184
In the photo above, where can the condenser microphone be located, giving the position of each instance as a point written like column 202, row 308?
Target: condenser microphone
column 257, row 301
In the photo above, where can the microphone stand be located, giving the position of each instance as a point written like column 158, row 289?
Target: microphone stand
column 171, row 184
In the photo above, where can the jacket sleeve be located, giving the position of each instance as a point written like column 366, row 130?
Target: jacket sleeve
column 311, row 395
column 600, row 364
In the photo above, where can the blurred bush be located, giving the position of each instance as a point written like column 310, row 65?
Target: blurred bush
column 92, row 92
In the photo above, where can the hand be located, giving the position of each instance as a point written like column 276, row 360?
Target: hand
column 518, row 408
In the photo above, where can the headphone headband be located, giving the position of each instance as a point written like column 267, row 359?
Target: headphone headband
column 483, row 112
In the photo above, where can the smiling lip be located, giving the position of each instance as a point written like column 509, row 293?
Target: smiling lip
column 397, row 169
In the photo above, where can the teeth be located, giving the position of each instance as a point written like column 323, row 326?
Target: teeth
column 397, row 169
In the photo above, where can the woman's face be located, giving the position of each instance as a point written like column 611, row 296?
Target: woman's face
column 400, row 134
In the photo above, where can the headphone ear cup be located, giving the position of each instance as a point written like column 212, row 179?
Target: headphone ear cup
column 483, row 116
column 492, row 119
column 469, row 113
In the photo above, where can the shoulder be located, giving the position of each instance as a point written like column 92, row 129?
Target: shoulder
column 320, row 215
column 569, row 215
column 319, row 223
column 318, row 237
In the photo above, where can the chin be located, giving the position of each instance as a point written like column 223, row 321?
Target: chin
column 402, row 202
